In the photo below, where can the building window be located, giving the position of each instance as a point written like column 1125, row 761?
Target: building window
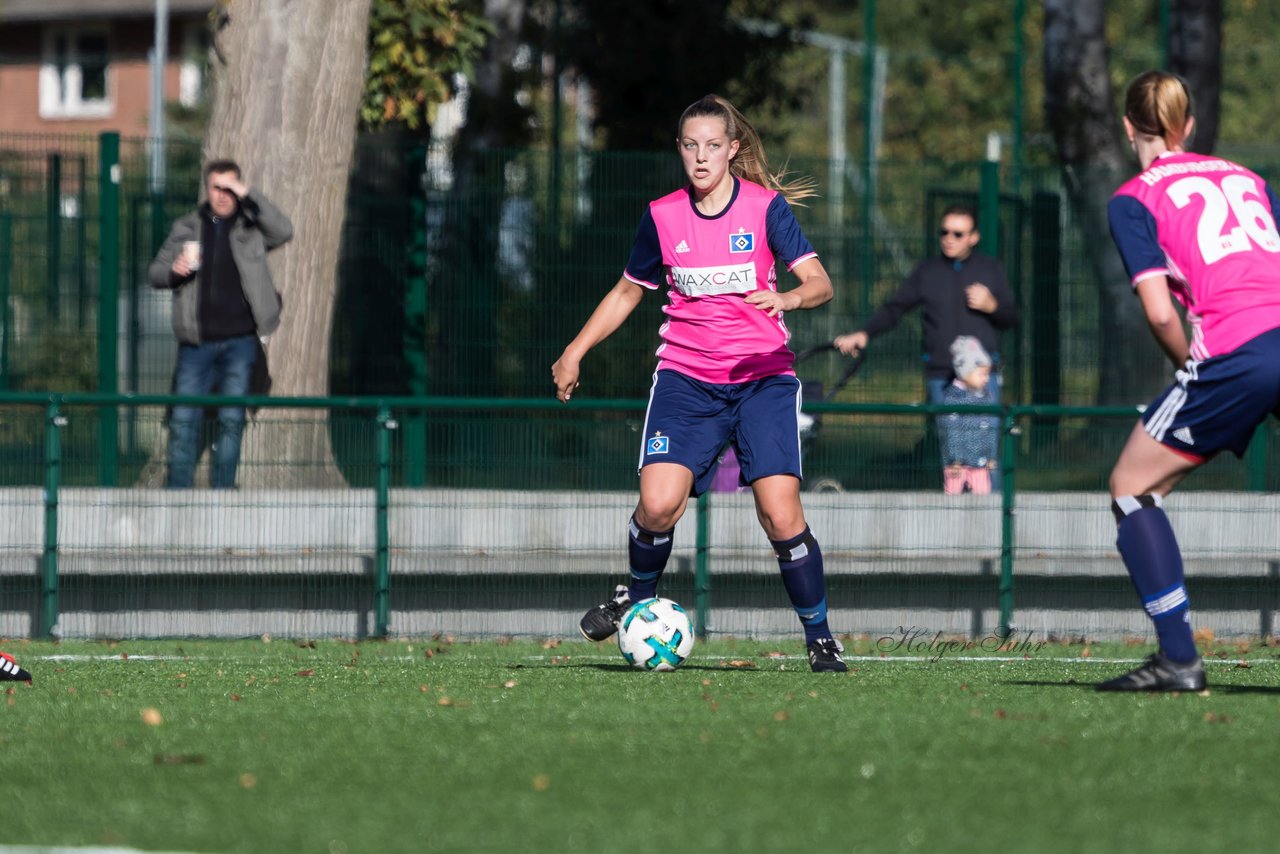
column 75, row 78
column 192, row 79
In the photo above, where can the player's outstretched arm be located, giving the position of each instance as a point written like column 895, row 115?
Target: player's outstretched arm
column 615, row 308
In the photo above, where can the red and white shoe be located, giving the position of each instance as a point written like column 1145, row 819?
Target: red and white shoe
column 10, row 671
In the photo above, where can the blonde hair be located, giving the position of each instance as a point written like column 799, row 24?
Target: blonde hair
column 750, row 162
column 1159, row 104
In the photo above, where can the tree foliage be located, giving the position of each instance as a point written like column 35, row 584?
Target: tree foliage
column 415, row 48
column 647, row 61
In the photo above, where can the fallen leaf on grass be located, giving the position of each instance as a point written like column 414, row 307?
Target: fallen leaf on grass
column 235, row 698
column 152, row 717
column 1215, row 718
column 551, row 643
column 739, row 663
column 510, row 683
column 1242, row 665
column 310, row 672
column 248, row 781
column 781, row 715
column 541, row 782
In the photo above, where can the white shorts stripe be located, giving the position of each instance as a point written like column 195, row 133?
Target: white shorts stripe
column 1159, row 423
column 1162, row 419
column 644, row 437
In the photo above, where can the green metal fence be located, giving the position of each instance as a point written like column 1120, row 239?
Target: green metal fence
column 465, row 273
column 518, row 527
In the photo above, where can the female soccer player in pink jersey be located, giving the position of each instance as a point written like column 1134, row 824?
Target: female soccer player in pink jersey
column 1200, row 230
column 724, row 369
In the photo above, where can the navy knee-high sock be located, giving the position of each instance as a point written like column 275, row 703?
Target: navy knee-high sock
column 800, row 560
column 647, row 553
column 1150, row 551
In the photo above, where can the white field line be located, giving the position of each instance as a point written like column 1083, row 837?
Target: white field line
column 36, row 849
column 888, row 659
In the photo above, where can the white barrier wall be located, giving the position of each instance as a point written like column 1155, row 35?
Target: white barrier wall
column 896, row 537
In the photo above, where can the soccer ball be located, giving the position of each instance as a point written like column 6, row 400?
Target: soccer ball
column 655, row 634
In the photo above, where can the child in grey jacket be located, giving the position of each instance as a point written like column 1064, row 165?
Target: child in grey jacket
column 968, row 441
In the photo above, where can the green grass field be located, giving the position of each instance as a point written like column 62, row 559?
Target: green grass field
column 415, row 746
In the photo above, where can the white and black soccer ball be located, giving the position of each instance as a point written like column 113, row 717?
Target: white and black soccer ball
column 655, row 634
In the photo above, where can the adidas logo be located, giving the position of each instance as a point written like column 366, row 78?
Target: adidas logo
column 682, row 247
column 1183, row 434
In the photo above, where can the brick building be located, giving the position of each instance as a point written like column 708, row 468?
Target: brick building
column 81, row 66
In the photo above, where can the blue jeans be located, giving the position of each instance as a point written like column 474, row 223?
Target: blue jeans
column 217, row 367
column 934, row 387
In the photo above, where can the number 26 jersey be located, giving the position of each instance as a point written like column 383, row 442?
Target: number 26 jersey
column 1208, row 225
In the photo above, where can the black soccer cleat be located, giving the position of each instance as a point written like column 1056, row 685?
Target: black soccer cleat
column 1159, row 674
column 824, row 656
column 601, row 622
column 10, row 671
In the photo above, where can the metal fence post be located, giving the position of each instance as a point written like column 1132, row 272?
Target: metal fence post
column 989, row 201
column 53, row 235
column 108, row 303
column 1256, row 459
column 415, row 312
column 1008, row 467
column 54, row 422
column 382, row 539
column 6, row 316
column 702, row 565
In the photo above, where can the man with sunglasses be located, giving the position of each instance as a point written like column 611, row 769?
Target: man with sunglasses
column 960, row 292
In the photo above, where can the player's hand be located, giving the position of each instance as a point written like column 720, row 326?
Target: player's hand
column 180, row 267
column 851, row 344
column 773, row 302
column 564, row 373
column 980, row 298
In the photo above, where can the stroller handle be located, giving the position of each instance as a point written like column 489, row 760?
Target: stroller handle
column 855, row 364
column 814, row 350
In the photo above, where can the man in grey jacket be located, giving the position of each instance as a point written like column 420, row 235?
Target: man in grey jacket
column 215, row 262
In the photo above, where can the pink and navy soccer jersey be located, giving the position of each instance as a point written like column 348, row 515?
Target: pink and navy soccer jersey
column 1210, row 226
column 710, row 264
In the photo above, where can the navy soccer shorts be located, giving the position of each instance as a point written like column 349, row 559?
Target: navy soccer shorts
column 689, row 421
column 1216, row 404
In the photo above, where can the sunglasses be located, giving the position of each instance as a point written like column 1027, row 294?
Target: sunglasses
column 958, row 235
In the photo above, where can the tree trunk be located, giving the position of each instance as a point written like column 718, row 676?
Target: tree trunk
column 287, row 79
column 1081, row 112
column 1195, row 54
